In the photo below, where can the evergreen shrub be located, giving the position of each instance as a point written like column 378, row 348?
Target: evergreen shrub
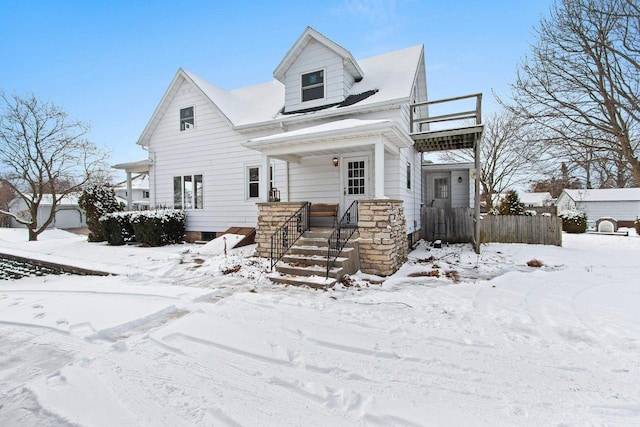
column 159, row 227
column 573, row 221
column 116, row 228
column 511, row 204
column 97, row 200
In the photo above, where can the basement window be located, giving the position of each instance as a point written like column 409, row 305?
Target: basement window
column 313, row 85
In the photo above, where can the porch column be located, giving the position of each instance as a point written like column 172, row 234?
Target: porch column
column 379, row 170
column 129, row 191
column 264, row 177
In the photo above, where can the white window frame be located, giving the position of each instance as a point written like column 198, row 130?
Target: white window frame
column 184, row 125
column 248, row 182
column 189, row 202
column 313, row 86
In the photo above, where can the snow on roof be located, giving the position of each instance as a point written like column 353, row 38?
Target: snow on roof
column 138, row 182
column 391, row 75
column 535, row 199
column 337, row 125
column 605, row 195
column 68, row 200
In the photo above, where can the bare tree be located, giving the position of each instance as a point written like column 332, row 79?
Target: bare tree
column 582, row 78
column 509, row 154
column 43, row 155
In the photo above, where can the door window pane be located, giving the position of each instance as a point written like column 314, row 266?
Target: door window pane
column 441, row 188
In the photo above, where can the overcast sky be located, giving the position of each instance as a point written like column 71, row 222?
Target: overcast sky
column 109, row 62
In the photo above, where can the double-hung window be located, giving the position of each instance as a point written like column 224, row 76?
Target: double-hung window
column 313, row 85
column 253, row 181
column 186, row 118
column 188, row 192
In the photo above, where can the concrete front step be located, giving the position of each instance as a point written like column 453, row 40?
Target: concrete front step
column 313, row 259
column 310, row 270
column 306, row 262
column 313, row 281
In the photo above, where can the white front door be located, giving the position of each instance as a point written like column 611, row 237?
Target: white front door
column 355, row 180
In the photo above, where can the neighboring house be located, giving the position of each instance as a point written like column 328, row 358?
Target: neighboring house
column 448, row 185
column 68, row 213
column 140, row 194
column 621, row 204
column 536, row 200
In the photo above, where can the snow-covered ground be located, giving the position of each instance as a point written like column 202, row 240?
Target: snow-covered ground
column 173, row 341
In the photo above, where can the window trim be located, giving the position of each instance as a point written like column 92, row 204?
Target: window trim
column 315, row 85
column 247, row 182
column 436, row 193
column 191, row 126
column 195, row 195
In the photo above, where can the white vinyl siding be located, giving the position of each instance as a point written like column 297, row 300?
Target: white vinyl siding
column 627, row 210
column 212, row 149
column 316, row 57
column 315, row 179
column 396, row 184
column 460, row 190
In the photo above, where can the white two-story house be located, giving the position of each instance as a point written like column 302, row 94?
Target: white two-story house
column 328, row 128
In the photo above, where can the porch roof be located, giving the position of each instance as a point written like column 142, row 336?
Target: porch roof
column 329, row 138
column 139, row 166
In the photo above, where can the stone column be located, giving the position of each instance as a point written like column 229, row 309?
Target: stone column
column 271, row 216
column 383, row 242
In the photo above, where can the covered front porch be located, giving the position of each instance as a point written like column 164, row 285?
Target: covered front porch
column 334, row 163
column 345, row 164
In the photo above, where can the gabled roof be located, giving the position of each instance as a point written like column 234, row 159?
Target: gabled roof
column 605, row 195
column 311, row 34
column 389, row 81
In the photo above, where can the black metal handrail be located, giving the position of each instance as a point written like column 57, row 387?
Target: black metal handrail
column 347, row 225
column 289, row 233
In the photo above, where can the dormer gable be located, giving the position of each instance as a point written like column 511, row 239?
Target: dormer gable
column 316, row 72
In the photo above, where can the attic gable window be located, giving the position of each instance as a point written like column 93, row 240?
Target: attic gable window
column 186, row 118
column 313, row 85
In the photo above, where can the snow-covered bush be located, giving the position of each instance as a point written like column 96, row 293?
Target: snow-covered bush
column 154, row 228
column 573, row 221
column 116, row 228
column 530, row 213
column 97, row 200
column 511, row 204
column 159, row 227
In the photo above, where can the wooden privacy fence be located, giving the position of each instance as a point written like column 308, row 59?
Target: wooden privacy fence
column 456, row 226
column 536, row 230
column 453, row 225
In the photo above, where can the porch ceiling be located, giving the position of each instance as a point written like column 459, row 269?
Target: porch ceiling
column 448, row 139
